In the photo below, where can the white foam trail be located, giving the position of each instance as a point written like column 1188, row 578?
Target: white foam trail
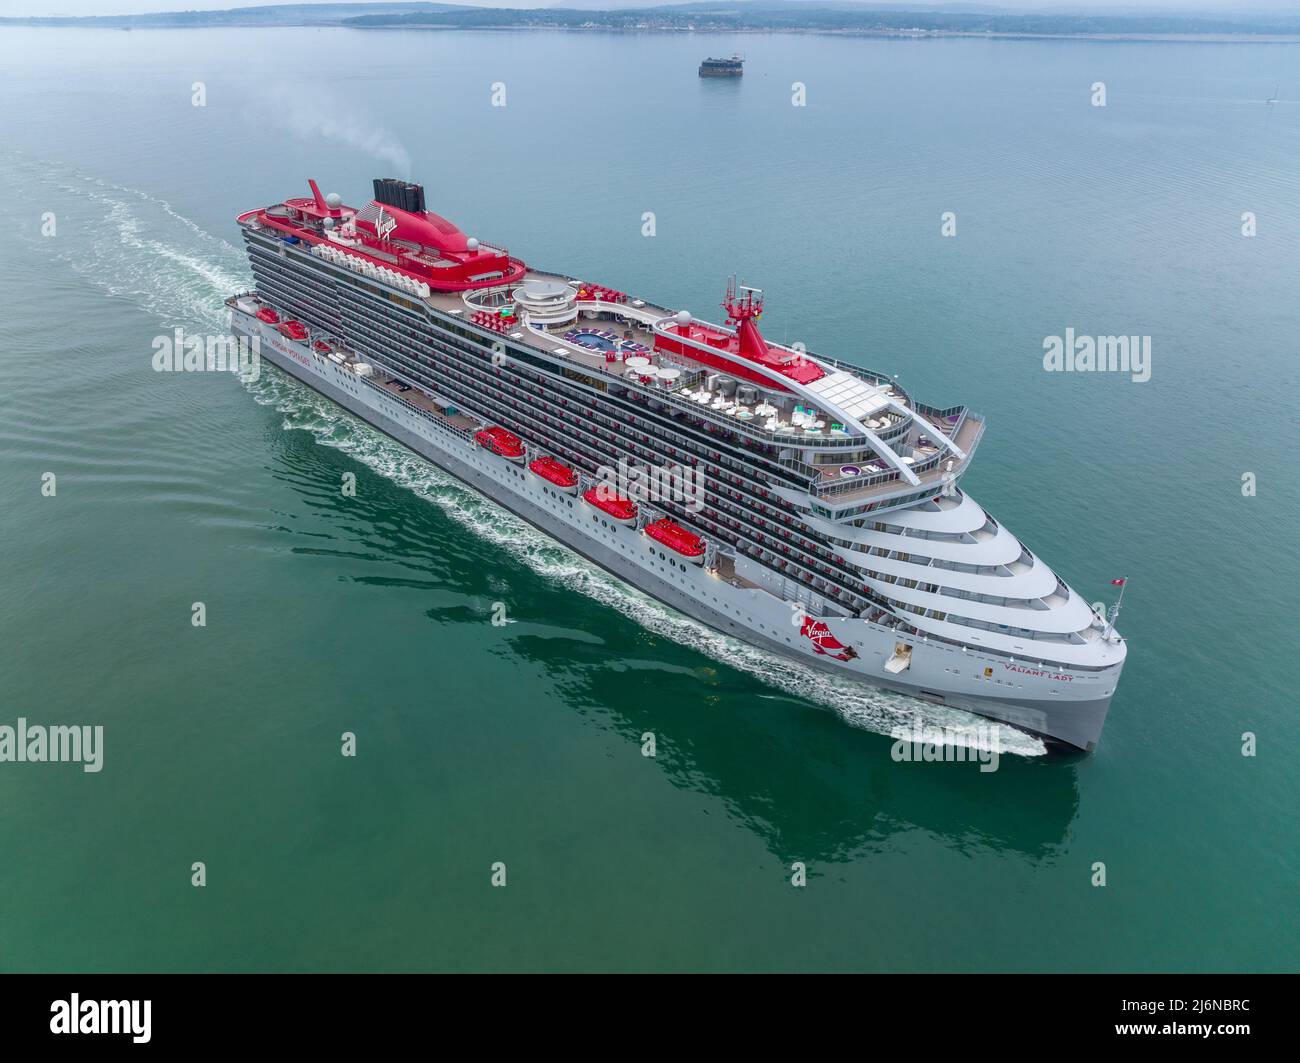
column 115, row 238
column 862, row 706
column 306, row 111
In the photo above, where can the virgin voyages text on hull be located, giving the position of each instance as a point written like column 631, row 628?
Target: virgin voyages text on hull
column 825, row 518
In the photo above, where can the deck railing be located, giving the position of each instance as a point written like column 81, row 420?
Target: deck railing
column 440, row 421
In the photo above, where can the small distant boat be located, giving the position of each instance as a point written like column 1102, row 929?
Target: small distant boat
column 499, row 441
column 556, row 473
column 677, row 539
column 723, row 68
column 1274, row 98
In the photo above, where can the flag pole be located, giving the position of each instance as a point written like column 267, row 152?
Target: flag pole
column 1114, row 609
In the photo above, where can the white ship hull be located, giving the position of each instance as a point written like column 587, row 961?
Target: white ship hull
column 1063, row 704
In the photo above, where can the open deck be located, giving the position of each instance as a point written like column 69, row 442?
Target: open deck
column 929, row 464
column 808, row 409
column 414, row 396
column 728, row 374
column 635, row 324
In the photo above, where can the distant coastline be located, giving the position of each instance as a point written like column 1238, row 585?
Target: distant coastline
column 877, row 34
column 756, row 16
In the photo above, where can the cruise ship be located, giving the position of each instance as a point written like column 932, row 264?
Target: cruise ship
column 803, row 504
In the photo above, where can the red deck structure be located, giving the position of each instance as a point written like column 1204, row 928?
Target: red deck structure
column 419, row 245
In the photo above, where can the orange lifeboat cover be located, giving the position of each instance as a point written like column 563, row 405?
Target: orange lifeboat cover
column 675, row 537
column 498, row 440
column 617, row 506
column 556, row 472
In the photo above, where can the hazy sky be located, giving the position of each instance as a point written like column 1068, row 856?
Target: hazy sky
column 131, row 7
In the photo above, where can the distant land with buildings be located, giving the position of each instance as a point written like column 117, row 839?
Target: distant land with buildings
column 754, row 16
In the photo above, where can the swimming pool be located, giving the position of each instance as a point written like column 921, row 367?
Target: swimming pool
column 603, row 339
column 596, row 343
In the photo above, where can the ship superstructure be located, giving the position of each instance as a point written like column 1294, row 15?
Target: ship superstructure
column 733, row 67
column 801, row 503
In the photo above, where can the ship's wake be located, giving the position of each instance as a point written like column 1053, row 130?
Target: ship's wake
column 127, row 243
column 871, row 709
column 133, row 245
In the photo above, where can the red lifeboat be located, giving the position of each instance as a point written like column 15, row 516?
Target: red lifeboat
column 294, row 330
column 321, row 347
column 617, row 506
column 499, row 441
column 555, row 472
column 268, row 315
column 677, row 539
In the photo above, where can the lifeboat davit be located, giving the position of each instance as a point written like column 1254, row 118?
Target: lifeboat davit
column 555, row 472
column 677, row 539
column 617, row 506
column 294, row 330
column 268, row 315
column 823, row 641
column 501, row 442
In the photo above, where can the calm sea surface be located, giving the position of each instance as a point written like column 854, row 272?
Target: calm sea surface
column 522, row 743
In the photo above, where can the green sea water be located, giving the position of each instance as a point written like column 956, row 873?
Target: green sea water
column 522, row 743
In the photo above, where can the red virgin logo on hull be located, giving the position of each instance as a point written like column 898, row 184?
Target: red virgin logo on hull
column 824, row 642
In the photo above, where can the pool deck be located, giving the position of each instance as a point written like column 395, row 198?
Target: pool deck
column 552, row 342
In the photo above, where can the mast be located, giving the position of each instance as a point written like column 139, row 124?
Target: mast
column 1114, row 609
column 744, row 306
